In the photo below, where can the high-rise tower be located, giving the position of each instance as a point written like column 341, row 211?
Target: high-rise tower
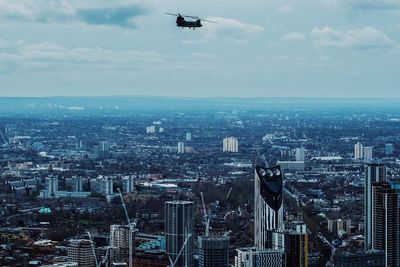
column 385, row 234
column 213, row 251
column 268, row 201
column 358, row 151
column 179, row 228
column 373, row 173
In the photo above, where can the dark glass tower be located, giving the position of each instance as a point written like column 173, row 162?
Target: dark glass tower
column 268, row 186
column 179, row 221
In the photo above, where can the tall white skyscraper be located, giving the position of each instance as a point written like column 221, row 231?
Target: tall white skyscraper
column 368, row 154
column 268, row 210
column 373, row 173
column 300, row 154
column 230, row 144
column 181, row 147
column 358, row 151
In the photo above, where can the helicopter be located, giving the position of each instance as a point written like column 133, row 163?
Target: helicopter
column 191, row 24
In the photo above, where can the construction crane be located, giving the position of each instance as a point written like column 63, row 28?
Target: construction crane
column 206, row 217
column 229, row 193
column 3, row 138
column 180, row 252
column 93, row 249
column 132, row 228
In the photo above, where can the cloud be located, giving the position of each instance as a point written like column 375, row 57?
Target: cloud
column 364, row 38
column 231, row 29
column 93, row 12
column 293, row 36
column 365, row 4
column 45, row 56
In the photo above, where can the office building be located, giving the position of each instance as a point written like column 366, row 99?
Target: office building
column 296, row 245
column 386, row 222
column 389, row 149
column 188, row 136
column 268, row 210
column 373, row 173
column 181, row 147
column 367, row 258
column 300, row 154
column 253, row 257
column 81, row 252
column 213, row 251
column 179, row 229
column 358, row 151
column 230, row 144
column 367, row 154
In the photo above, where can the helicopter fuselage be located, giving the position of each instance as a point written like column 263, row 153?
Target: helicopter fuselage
column 181, row 22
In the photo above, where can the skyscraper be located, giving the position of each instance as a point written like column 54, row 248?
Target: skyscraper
column 213, row 251
column 385, row 232
column 300, row 154
column 367, row 154
column 268, row 210
column 296, row 245
column 81, row 252
column 179, row 229
column 373, row 173
column 230, row 144
column 358, row 151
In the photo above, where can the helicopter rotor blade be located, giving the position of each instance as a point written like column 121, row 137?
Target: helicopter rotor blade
column 172, row 14
column 208, row 21
column 192, row 17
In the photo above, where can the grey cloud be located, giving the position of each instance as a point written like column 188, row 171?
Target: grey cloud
column 92, row 12
column 123, row 17
column 364, row 38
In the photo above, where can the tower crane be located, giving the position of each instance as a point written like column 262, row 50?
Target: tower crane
column 229, row 193
column 93, row 249
column 132, row 228
column 206, row 217
column 173, row 263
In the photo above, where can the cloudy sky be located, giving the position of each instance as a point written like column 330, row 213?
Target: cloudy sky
column 328, row 48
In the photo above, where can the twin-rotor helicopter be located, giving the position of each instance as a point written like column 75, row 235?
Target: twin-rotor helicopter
column 193, row 22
